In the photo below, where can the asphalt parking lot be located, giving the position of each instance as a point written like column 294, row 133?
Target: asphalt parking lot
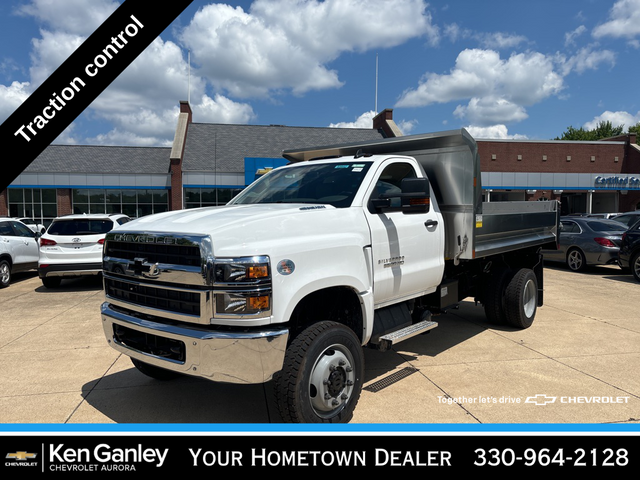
column 577, row 364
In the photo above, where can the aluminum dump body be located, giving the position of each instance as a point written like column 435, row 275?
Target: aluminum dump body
column 450, row 159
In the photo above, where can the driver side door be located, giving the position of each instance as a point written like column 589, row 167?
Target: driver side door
column 407, row 248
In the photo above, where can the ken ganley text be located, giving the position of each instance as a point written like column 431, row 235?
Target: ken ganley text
column 59, row 100
column 104, row 457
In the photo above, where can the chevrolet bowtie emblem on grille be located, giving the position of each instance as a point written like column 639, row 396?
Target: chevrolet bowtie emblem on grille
column 141, row 267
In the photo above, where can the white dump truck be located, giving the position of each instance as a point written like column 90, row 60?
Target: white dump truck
column 347, row 247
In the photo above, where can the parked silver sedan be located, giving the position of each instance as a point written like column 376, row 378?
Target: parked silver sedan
column 587, row 241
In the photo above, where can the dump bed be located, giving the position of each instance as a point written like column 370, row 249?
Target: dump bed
column 473, row 228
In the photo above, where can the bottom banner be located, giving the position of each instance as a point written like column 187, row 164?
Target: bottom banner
column 93, row 454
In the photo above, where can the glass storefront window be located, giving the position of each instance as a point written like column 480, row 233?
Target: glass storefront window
column 132, row 202
column 39, row 204
column 196, row 197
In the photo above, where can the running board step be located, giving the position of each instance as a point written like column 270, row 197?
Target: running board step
column 386, row 341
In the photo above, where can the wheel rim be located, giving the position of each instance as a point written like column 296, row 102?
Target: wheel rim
column 575, row 260
column 332, row 380
column 636, row 267
column 4, row 273
column 529, row 298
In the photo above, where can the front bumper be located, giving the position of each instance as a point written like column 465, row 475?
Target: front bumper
column 244, row 357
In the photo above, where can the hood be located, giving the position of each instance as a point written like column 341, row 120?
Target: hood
column 258, row 229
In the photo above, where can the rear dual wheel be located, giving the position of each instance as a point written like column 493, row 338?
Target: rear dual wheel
column 512, row 298
column 521, row 298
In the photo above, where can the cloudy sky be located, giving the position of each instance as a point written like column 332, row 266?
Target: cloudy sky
column 501, row 69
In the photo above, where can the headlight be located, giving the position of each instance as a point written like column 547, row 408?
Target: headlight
column 242, row 270
column 242, row 287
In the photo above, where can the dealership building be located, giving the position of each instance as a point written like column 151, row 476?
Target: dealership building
column 208, row 164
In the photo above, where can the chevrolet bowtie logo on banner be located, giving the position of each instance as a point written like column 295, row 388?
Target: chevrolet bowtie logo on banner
column 80, row 80
column 21, row 456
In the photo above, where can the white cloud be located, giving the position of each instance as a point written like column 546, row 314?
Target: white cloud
column 616, row 118
column 220, row 109
column 585, row 59
column 49, row 52
column 252, row 53
column 366, row 121
column 498, row 89
column 499, row 132
column 407, row 126
column 71, row 16
column 142, row 103
column 11, row 98
column 363, row 121
column 489, row 110
column 493, row 40
column 624, row 21
column 570, row 37
column 500, row 40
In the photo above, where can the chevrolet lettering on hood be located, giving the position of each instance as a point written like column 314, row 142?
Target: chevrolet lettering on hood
column 127, row 237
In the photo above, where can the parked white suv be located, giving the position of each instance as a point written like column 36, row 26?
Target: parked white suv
column 18, row 249
column 33, row 225
column 72, row 246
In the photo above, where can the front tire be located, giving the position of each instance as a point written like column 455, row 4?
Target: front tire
column 5, row 273
column 322, row 377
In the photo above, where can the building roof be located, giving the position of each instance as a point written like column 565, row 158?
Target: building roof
column 223, row 147
column 101, row 159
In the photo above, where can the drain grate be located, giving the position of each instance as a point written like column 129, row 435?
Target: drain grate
column 391, row 379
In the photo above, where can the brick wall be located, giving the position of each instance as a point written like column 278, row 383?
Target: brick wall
column 551, row 157
column 64, row 201
column 4, row 203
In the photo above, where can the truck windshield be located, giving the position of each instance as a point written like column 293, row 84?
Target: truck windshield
column 328, row 183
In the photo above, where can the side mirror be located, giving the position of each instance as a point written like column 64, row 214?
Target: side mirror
column 415, row 195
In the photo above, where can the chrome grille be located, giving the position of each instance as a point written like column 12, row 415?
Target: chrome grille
column 183, row 302
column 174, row 254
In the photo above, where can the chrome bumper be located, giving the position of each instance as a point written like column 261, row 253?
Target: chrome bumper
column 232, row 357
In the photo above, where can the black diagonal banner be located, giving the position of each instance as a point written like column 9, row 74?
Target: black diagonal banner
column 80, row 79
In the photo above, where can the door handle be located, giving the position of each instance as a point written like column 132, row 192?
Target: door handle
column 431, row 223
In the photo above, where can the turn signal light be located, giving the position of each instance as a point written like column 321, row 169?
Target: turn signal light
column 259, row 303
column 258, row 271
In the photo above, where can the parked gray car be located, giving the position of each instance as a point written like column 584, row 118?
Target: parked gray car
column 587, row 241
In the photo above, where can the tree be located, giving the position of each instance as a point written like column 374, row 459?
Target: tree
column 603, row 130
column 635, row 128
